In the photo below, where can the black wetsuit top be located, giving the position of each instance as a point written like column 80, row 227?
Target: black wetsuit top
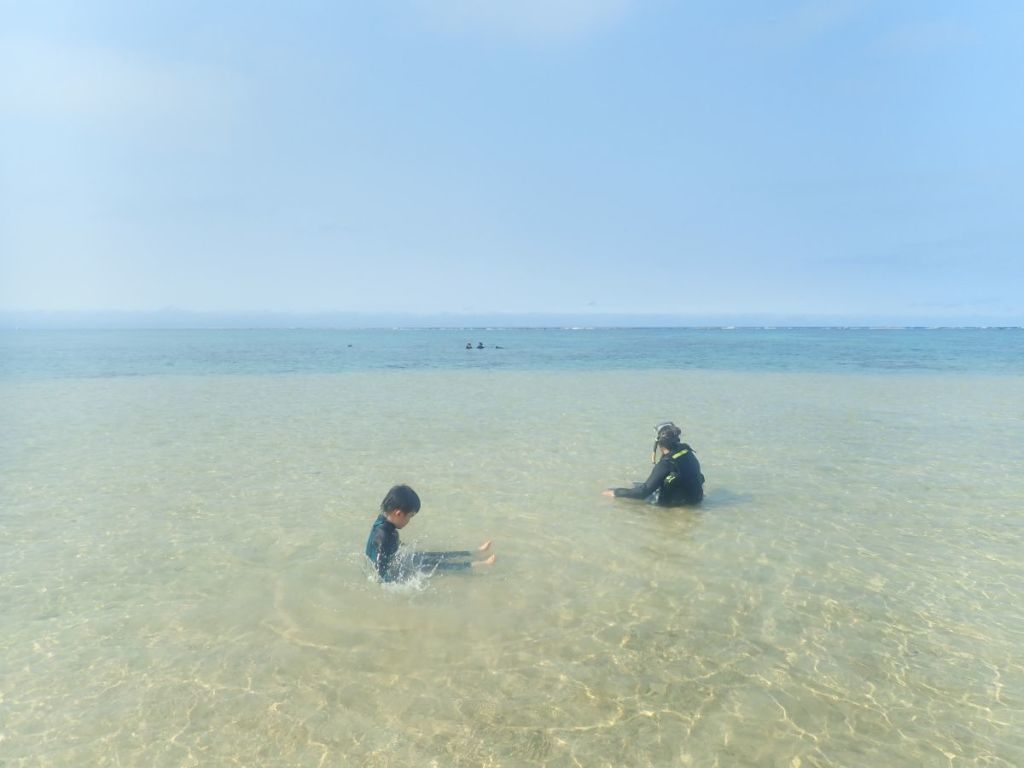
column 382, row 549
column 676, row 478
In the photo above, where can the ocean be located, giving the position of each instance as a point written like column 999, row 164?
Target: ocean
column 183, row 516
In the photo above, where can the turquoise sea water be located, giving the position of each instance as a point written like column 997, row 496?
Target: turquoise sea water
column 200, row 352
column 183, row 515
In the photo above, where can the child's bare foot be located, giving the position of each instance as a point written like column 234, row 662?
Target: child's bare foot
column 489, row 561
column 484, row 547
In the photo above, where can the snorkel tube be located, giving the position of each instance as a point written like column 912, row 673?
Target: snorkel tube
column 666, row 435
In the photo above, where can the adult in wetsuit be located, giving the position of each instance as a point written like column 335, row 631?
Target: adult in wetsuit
column 399, row 506
column 676, row 479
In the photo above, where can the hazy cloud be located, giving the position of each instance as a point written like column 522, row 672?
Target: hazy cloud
column 928, row 37
column 542, row 21
column 109, row 88
column 806, row 23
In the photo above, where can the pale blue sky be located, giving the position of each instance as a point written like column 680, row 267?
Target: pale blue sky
column 845, row 157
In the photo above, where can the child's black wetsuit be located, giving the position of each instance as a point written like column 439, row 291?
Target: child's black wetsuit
column 382, row 549
column 677, row 479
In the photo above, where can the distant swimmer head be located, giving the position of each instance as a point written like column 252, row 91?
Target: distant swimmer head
column 667, row 436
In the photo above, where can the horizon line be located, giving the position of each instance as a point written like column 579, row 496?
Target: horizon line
column 179, row 319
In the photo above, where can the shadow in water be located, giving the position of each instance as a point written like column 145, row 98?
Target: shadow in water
column 718, row 498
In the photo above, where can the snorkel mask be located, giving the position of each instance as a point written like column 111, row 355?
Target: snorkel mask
column 660, row 429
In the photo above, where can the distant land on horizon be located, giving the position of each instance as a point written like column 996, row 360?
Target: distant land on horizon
column 183, row 319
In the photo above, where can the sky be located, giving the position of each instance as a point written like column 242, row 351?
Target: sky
column 846, row 158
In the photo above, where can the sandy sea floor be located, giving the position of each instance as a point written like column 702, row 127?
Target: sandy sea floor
column 183, row 580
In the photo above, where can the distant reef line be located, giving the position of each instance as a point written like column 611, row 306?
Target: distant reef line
column 184, row 319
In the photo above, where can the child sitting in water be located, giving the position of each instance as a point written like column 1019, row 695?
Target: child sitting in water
column 396, row 510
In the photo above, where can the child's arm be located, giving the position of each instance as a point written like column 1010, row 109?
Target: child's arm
column 381, row 552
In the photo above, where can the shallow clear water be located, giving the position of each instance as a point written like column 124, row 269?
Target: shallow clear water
column 183, row 579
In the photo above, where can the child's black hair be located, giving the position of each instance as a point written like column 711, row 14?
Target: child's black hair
column 401, row 497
